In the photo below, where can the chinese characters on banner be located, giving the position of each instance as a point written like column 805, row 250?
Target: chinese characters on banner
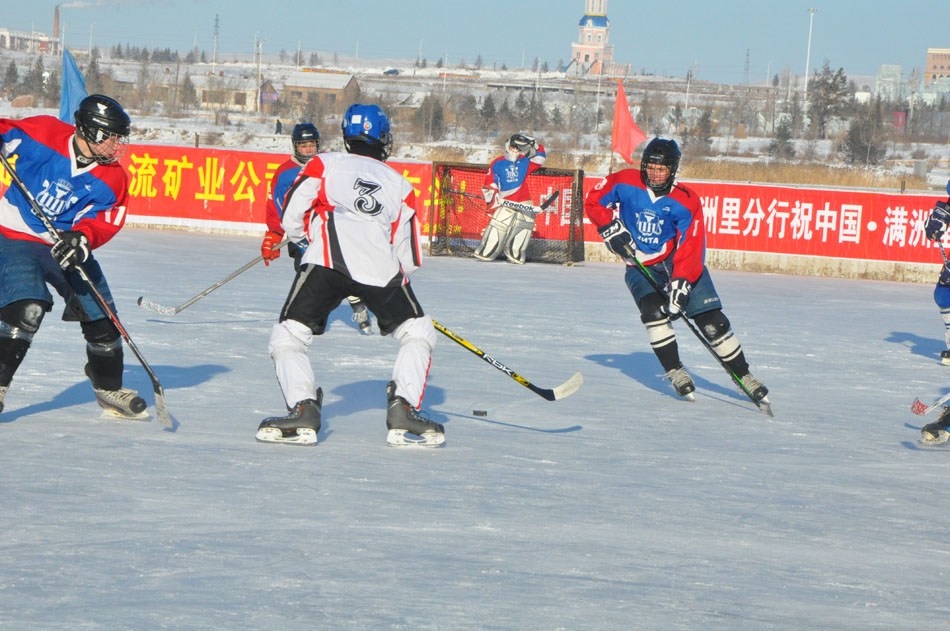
column 812, row 222
column 208, row 187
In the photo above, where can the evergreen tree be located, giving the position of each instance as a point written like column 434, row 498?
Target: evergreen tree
column 11, row 78
column 489, row 114
column 865, row 141
column 781, row 146
column 188, row 96
column 430, row 118
column 828, row 96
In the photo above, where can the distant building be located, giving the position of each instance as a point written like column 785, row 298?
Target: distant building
column 889, row 84
column 591, row 53
column 937, row 65
column 29, row 42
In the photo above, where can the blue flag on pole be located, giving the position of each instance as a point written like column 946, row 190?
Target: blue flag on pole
column 73, row 89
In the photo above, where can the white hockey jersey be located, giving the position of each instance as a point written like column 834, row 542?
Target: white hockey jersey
column 359, row 216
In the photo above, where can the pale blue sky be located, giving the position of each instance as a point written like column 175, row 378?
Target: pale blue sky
column 657, row 37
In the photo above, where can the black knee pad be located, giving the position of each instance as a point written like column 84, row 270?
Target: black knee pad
column 100, row 333
column 651, row 308
column 25, row 315
column 713, row 324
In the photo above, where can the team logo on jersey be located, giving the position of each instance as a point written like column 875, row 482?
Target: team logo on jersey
column 650, row 226
column 512, row 172
column 56, row 197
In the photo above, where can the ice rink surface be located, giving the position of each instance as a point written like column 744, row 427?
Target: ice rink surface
column 619, row 507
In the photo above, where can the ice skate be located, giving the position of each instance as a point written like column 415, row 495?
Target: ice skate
column 936, row 433
column 300, row 427
column 757, row 390
column 682, row 383
column 124, row 403
column 408, row 428
column 945, row 357
column 3, row 395
column 362, row 318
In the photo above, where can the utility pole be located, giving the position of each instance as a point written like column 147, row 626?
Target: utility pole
column 214, row 44
column 811, row 20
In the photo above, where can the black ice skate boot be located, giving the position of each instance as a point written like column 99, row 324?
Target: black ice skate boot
column 300, row 427
column 936, row 433
column 362, row 318
column 756, row 388
column 682, row 382
column 403, row 419
column 122, row 403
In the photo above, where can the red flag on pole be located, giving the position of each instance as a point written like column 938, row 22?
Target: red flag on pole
column 626, row 135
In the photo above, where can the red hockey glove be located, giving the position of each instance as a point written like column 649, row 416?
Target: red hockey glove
column 269, row 249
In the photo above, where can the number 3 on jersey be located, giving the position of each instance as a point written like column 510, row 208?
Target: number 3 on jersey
column 366, row 203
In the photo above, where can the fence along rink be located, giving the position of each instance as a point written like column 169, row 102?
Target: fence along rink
column 459, row 213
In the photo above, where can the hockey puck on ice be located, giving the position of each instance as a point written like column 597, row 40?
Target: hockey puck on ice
column 480, row 412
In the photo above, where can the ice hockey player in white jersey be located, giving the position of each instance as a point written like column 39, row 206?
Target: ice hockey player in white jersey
column 354, row 218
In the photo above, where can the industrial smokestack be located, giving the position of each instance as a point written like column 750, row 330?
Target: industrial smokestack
column 56, row 23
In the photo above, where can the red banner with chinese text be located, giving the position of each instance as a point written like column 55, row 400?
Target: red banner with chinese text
column 835, row 223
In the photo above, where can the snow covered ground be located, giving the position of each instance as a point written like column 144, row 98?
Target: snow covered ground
column 619, row 507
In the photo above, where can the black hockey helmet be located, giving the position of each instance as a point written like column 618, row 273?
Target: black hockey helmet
column 302, row 133
column 100, row 119
column 367, row 127
column 665, row 152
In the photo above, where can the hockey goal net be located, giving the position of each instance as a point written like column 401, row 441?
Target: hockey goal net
column 460, row 214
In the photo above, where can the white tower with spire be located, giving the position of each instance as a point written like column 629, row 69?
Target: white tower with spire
column 591, row 53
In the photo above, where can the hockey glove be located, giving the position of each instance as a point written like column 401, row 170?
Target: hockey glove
column 302, row 245
column 679, row 297
column 269, row 249
column 71, row 249
column 937, row 222
column 618, row 239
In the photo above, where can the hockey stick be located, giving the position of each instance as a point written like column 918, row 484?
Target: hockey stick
column 920, row 408
column 566, row 389
column 161, row 407
column 632, row 257
column 151, row 305
column 514, row 205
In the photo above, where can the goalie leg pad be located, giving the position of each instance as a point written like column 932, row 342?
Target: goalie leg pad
column 519, row 234
column 493, row 239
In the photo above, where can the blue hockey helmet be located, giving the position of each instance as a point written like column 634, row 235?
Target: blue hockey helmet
column 369, row 125
column 305, row 133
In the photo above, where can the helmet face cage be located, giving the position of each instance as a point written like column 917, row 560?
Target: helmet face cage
column 663, row 152
column 367, row 124
column 304, row 133
column 518, row 144
column 105, row 127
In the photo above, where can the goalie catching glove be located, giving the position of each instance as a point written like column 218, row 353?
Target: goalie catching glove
column 71, row 250
column 618, row 239
column 937, row 222
column 679, row 297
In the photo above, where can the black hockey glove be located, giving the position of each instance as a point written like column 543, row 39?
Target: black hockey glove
column 71, row 249
column 937, row 221
column 618, row 239
column 679, row 297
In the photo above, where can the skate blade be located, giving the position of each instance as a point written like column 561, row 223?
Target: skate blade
column 402, row 438
column 304, row 436
column 945, row 361
column 116, row 415
column 765, row 406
